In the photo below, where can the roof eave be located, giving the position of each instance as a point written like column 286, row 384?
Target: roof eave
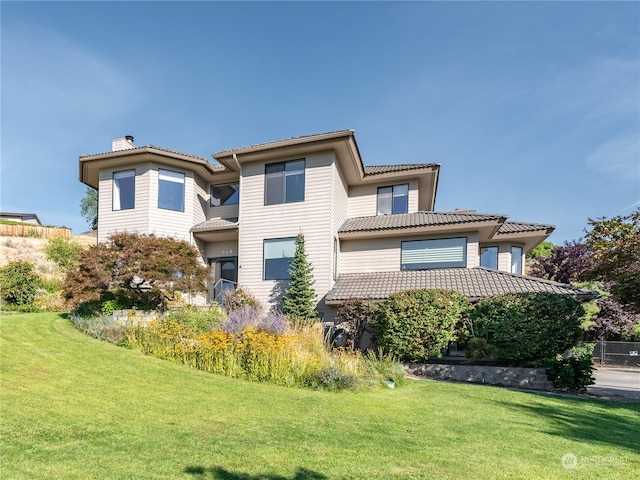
column 89, row 177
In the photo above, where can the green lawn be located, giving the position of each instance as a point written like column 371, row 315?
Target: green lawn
column 76, row 408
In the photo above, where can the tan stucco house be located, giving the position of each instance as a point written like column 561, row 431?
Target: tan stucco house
column 369, row 230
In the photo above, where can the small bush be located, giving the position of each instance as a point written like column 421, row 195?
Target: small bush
column 200, row 319
column 50, row 302
column 109, row 306
column 239, row 297
column 357, row 314
column 19, row 283
column 418, row 324
column 573, row 370
column 51, row 285
column 63, row 252
column 102, row 328
column 240, row 318
column 527, row 328
column 331, row 378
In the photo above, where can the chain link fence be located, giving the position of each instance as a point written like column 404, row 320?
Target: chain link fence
column 619, row 354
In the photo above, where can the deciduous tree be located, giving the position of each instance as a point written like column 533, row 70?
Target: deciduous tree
column 138, row 270
column 615, row 244
column 565, row 264
column 89, row 207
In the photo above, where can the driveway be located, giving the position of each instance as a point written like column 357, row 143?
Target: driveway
column 616, row 383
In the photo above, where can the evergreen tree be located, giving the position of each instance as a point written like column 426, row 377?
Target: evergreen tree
column 299, row 298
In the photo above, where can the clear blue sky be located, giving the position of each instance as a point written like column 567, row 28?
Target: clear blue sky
column 531, row 108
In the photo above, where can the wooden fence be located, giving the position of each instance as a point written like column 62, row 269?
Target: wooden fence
column 36, row 231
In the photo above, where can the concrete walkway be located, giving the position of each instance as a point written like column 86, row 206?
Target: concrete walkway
column 616, row 383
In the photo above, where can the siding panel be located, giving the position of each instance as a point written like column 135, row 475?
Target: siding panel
column 383, row 255
column 112, row 221
column 363, row 200
column 312, row 217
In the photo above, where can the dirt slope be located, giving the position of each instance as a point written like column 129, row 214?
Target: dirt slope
column 29, row 249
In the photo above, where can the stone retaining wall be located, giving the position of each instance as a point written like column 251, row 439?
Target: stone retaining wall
column 134, row 317
column 530, row 378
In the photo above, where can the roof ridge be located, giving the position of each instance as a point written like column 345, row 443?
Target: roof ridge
column 147, row 146
column 274, row 142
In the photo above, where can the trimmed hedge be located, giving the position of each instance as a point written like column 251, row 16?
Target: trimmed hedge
column 417, row 324
column 527, row 328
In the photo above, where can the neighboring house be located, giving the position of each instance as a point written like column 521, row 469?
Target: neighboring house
column 30, row 218
column 369, row 230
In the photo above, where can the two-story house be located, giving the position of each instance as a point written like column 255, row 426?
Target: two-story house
column 369, row 230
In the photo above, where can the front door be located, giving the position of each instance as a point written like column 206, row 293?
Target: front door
column 224, row 276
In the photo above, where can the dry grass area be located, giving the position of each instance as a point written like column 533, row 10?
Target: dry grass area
column 29, row 249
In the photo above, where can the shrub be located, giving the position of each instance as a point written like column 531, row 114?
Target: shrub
column 417, row 324
column 526, row 328
column 200, row 319
column 109, row 306
column 573, row 370
column 63, row 252
column 238, row 297
column 19, row 283
column 50, row 302
column 102, row 328
column 331, row 378
column 357, row 314
column 51, row 285
column 239, row 319
column 478, row 348
column 143, row 270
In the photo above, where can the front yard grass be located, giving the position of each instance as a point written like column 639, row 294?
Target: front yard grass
column 77, row 408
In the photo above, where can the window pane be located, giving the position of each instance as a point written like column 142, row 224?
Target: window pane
column 294, row 176
column 124, row 191
column 225, row 194
column 274, row 183
column 516, row 260
column 401, row 198
column 171, row 190
column 278, row 253
column 441, row 253
column 385, row 200
column 489, row 257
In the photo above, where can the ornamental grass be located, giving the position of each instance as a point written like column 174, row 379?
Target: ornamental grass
column 248, row 346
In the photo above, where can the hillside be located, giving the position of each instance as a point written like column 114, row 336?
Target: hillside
column 30, row 249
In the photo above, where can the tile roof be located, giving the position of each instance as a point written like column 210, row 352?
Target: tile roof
column 520, row 227
column 315, row 136
column 146, row 147
column 417, row 219
column 215, row 224
column 474, row 283
column 381, row 169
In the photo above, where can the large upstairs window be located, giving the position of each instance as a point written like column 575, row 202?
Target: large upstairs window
column 228, row 194
column 394, row 199
column 439, row 253
column 489, row 257
column 278, row 253
column 171, row 190
column 284, row 182
column 124, row 190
